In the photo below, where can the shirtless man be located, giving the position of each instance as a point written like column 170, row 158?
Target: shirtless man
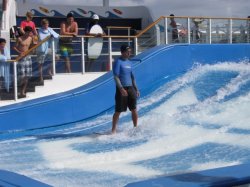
column 25, row 64
column 69, row 28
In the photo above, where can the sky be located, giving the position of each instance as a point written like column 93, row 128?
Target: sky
column 207, row 8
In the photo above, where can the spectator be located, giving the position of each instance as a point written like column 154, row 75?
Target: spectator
column 4, row 65
column 195, row 31
column 45, row 50
column 29, row 22
column 25, row 64
column 174, row 29
column 68, row 28
column 94, row 21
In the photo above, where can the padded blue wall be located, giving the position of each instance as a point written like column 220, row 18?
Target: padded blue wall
column 98, row 96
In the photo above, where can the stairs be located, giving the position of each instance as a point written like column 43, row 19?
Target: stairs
column 61, row 83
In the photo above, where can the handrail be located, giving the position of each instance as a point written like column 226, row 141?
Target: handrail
column 204, row 17
column 149, row 27
column 32, row 48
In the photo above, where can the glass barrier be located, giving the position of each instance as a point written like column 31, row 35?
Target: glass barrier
column 220, row 31
column 150, row 38
column 6, row 81
column 240, row 30
column 88, row 54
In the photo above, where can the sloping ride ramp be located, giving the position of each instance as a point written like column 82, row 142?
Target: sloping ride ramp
column 193, row 116
column 98, row 96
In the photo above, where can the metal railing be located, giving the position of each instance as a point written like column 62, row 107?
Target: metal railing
column 211, row 30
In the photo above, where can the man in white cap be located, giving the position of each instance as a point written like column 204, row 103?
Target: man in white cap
column 93, row 22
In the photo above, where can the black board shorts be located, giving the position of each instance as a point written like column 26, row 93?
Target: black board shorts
column 124, row 102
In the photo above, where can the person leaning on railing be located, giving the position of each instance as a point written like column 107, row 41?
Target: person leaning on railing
column 44, row 51
column 4, row 65
column 89, row 25
column 24, row 66
column 69, row 28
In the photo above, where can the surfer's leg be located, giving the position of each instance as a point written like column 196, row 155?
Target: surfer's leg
column 115, row 121
column 134, row 117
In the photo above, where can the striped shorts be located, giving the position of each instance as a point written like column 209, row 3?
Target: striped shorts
column 25, row 67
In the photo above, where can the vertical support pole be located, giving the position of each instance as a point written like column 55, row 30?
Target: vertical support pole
column 53, row 57
column 136, row 46
column 166, row 30
column 110, row 53
column 83, row 55
column 189, row 28
column 189, row 31
column 210, row 31
column 230, row 31
column 15, row 80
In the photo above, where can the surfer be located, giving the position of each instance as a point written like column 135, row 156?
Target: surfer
column 126, row 89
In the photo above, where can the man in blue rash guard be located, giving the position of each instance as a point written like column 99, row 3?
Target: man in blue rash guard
column 126, row 89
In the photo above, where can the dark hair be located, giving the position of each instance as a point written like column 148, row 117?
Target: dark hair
column 171, row 15
column 27, row 29
column 2, row 40
column 248, row 17
column 124, row 48
column 69, row 15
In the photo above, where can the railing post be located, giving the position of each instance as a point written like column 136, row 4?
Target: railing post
column 83, row 56
column 53, row 57
column 189, row 41
column 230, row 31
column 158, row 35
column 110, row 52
column 15, row 81
column 166, row 30
column 210, row 31
column 136, row 46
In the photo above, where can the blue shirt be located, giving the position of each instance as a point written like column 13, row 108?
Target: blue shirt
column 43, row 33
column 123, row 70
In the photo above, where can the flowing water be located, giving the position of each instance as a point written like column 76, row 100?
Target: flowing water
column 194, row 121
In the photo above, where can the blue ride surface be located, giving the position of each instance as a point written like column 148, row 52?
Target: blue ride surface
column 11, row 179
column 220, row 177
column 96, row 97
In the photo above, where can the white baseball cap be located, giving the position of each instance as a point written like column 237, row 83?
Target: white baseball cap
column 95, row 16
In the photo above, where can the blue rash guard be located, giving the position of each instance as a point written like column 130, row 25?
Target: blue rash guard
column 123, row 70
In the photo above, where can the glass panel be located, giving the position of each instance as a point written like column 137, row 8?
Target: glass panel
column 98, row 62
column 116, row 44
column 199, row 30
column 69, row 51
column 220, row 31
column 239, row 30
column 248, row 30
column 6, row 81
column 152, row 37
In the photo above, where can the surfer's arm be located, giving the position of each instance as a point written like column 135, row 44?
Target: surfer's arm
column 119, row 85
column 118, row 82
column 134, row 85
